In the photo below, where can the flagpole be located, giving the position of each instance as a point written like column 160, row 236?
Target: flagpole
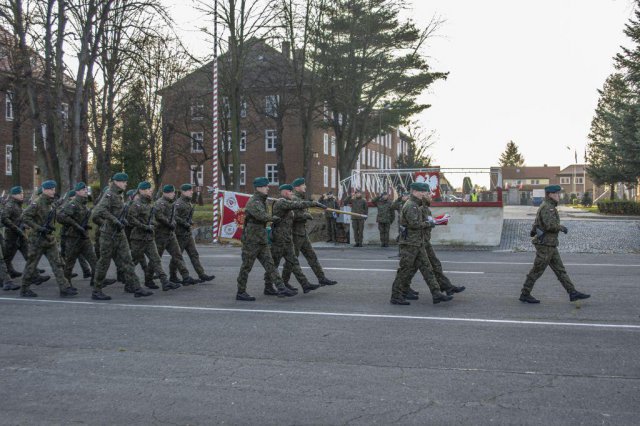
column 216, row 223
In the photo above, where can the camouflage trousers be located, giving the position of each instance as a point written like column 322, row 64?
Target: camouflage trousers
column 115, row 246
column 85, row 264
column 188, row 244
column 331, row 228
column 436, row 266
column 384, row 229
column 286, row 251
column 50, row 251
column 12, row 244
column 142, row 248
column 170, row 244
column 76, row 249
column 262, row 253
column 301, row 244
column 412, row 259
column 547, row 256
column 358, row 230
column 4, row 274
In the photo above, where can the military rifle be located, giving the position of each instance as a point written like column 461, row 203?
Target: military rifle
column 47, row 227
column 151, row 214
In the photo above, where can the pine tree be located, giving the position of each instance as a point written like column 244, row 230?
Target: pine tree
column 511, row 157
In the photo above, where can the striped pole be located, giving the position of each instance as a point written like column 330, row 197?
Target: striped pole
column 216, row 218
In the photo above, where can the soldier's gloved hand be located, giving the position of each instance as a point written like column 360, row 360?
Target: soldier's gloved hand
column 318, row 204
column 563, row 229
column 275, row 219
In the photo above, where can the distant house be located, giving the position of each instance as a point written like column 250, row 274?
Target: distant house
column 519, row 182
column 575, row 180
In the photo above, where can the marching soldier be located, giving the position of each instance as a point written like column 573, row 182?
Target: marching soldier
column 142, row 238
column 113, row 242
column 545, row 239
column 5, row 277
column 386, row 216
column 40, row 216
column 15, row 238
column 165, row 216
column 86, row 267
column 412, row 251
column 184, row 220
column 301, row 241
column 254, row 242
column 329, row 200
column 282, row 240
column 358, row 205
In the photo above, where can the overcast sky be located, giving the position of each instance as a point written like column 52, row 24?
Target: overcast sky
column 519, row 70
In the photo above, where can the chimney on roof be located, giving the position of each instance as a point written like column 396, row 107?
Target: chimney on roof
column 286, row 49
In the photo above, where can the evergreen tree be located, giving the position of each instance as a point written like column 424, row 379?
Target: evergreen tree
column 133, row 146
column 511, row 157
column 467, row 186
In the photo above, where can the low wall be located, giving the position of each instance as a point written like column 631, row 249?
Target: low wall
column 468, row 226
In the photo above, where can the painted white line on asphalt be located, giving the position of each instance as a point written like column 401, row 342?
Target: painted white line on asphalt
column 387, row 270
column 331, row 314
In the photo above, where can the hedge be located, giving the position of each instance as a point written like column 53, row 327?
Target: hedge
column 624, row 207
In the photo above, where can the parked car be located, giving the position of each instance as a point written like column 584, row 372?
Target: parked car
column 450, row 198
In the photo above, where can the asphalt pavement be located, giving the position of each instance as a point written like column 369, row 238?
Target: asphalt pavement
column 339, row 355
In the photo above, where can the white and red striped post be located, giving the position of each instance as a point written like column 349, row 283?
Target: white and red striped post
column 216, row 218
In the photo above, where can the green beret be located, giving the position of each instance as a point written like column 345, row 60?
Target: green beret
column 144, row 185
column 71, row 193
column 49, row 184
column 120, row 177
column 168, row 188
column 80, row 186
column 420, row 186
column 131, row 192
column 15, row 190
column 286, row 187
column 186, row 187
column 298, row 182
column 552, row 188
column 260, row 181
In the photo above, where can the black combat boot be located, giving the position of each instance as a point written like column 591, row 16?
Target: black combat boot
column 290, row 287
column 326, row 281
column 399, row 301
column 189, row 281
column 285, row 292
column 142, row 292
column 40, row 279
column 152, row 285
column 307, row 287
column 440, row 297
column 74, row 274
column 86, row 275
column 15, row 274
column 411, row 296
column 206, row 278
column 527, row 298
column 28, row 293
column 455, row 289
column 168, row 285
column 270, row 290
column 576, row 295
column 245, row 297
column 413, row 291
column 68, row 292
column 10, row 286
column 41, row 271
column 108, row 281
column 99, row 295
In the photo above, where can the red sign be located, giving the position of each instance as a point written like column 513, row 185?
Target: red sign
column 232, row 222
column 431, row 178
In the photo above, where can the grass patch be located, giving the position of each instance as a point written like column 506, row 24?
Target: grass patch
column 591, row 209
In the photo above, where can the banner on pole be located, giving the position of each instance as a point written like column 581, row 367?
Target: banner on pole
column 232, row 222
column 431, row 178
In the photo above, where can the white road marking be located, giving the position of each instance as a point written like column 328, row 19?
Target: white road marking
column 387, row 270
column 331, row 314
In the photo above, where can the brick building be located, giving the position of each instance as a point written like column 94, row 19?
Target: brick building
column 186, row 109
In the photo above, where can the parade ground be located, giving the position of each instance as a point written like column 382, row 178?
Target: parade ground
column 339, row 355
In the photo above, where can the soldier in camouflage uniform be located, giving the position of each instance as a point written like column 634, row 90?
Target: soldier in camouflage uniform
column 254, row 242
column 74, row 215
column 113, row 242
column 15, row 238
column 184, row 220
column 142, row 238
column 40, row 216
column 386, row 216
column 282, row 239
column 358, row 205
column 545, row 238
column 412, row 251
column 301, row 241
column 329, row 200
column 87, row 268
column 5, row 277
column 165, row 233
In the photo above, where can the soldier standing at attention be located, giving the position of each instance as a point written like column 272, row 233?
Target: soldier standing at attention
column 412, row 251
column 545, row 238
column 113, row 242
column 282, row 240
column 184, row 220
column 254, row 242
column 165, row 233
column 358, row 205
column 40, row 216
column 385, row 218
column 143, row 240
column 329, row 200
column 301, row 241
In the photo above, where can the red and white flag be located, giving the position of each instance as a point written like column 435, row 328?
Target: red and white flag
column 443, row 219
column 232, row 208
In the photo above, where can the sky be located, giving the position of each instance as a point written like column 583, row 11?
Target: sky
column 519, row 70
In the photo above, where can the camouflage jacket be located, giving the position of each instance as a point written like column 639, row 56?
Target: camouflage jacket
column 548, row 219
column 426, row 213
column 165, row 216
column 109, row 209
column 12, row 216
column 300, row 216
column 331, row 203
column 256, row 217
column 386, row 214
column 140, row 217
column 412, row 218
column 281, row 232
column 183, row 215
column 35, row 216
column 72, row 214
column 358, row 205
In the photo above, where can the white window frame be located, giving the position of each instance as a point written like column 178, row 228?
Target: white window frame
column 579, row 180
column 200, row 173
column 363, row 156
column 565, row 180
column 325, row 144
column 243, row 173
column 270, row 138
column 197, row 110
column 325, row 112
column 8, row 169
column 271, row 103
column 333, row 146
column 271, row 170
column 243, row 108
column 194, row 140
column 243, row 140
column 325, row 175
column 8, row 106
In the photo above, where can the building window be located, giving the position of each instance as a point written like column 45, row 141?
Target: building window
column 565, row 180
column 197, row 110
column 226, row 108
column 243, row 140
column 325, row 112
column 243, row 108
column 197, row 138
column 325, row 144
column 363, row 155
column 199, row 174
column 333, row 146
column 270, row 140
column 64, row 111
column 8, row 103
column 579, row 180
column 271, row 105
column 325, row 174
column 8, row 155
column 333, row 177
column 243, row 173
column 271, row 173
